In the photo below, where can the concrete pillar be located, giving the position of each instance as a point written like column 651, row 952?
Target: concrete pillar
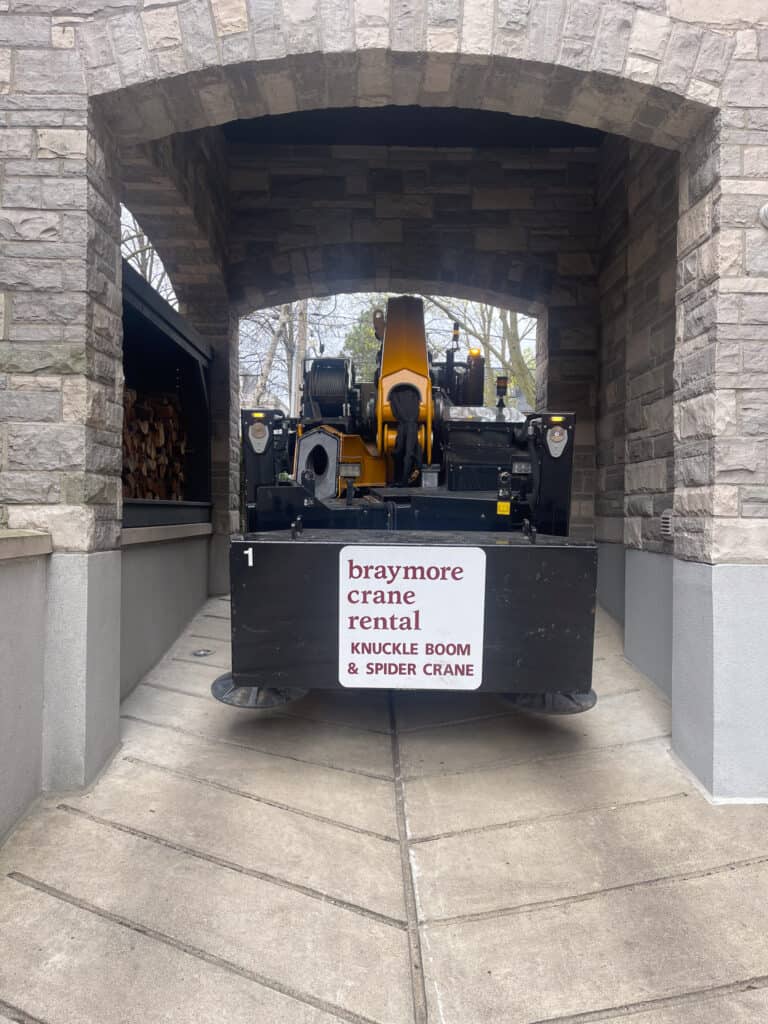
column 720, row 654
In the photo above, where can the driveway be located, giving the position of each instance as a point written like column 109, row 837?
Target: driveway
column 368, row 858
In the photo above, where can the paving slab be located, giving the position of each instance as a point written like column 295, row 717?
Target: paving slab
column 241, row 919
column 346, row 797
column 210, row 627
column 345, row 865
column 541, row 861
column 556, row 786
column 193, row 677
column 426, row 710
column 733, row 1008
column 367, row 710
column 626, row 947
column 236, row 866
column 279, row 734
column 219, row 656
column 360, row 709
column 64, row 965
column 519, row 737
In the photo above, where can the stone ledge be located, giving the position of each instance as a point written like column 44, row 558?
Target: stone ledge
column 158, row 534
column 24, row 544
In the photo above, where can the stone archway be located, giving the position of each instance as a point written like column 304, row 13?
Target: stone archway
column 120, row 77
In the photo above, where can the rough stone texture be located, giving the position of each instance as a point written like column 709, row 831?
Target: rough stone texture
column 542, row 59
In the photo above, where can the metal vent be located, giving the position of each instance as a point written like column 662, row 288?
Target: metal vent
column 667, row 523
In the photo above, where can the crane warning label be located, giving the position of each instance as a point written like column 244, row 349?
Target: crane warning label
column 411, row 618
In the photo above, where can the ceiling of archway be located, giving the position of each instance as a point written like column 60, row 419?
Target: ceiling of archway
column 410, row 126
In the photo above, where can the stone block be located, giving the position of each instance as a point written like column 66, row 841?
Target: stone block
column 743, row 540
column 754, row 356
column 650, row 33
column 694, row 225
column 680, row 57
column 746, row 83
column 161, row 27
column 49, row 71
column 24, row 30
column 714, row 55
column 641, row 69
column 28, row 226
column 739, row 460
column 696, row 417
column 754, row 502
column 5, row 70
column 404, row 207
column 633, row 531
column 48, row 446
column 755, row 161
column 612, row 37
column 90, row 489
column 745, row 44
column 16, row 143
column 29, row 487
column 509, row 238
column 28, row 406
column 703, row 92
column 693, row 470
column 720, row 500
column 72, row 527
column 477, row 27
column 62, row 33
column 752, row 411
column 198, row 35
column 231, row 16
column 754, row 309
column 644, row 477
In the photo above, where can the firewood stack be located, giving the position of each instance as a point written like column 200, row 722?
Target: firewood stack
column 154, row 444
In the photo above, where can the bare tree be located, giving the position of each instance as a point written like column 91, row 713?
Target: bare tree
column 138, row 250
column 505, row 337
column 261, row 337
column 274, row 342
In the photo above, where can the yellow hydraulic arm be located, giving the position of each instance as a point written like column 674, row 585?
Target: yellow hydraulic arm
column 404, row 361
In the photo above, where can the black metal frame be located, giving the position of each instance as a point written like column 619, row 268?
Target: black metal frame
column 539, row 608
column 142, row 302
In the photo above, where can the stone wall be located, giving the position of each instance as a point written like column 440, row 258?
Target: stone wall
column 611, row 400
column 653, row 73
column 650, row 341
column 637, row 198
column 721, row 369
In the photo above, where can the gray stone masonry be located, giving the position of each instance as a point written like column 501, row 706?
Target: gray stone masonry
column 657, row 74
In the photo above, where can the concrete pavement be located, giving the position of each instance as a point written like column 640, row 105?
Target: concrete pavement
column 399, row 860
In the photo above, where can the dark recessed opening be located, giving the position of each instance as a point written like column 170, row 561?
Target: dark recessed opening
column 410, row 126
column 318, row 460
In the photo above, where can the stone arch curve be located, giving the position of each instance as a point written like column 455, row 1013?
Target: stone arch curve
column 157, row 103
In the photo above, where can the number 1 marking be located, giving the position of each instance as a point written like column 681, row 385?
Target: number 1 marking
column 249, row 557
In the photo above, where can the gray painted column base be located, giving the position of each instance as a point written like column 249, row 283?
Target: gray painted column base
column 648, row 615
column 720, row 667
column 82, row 667
column 218, row 564
column 610, row 578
